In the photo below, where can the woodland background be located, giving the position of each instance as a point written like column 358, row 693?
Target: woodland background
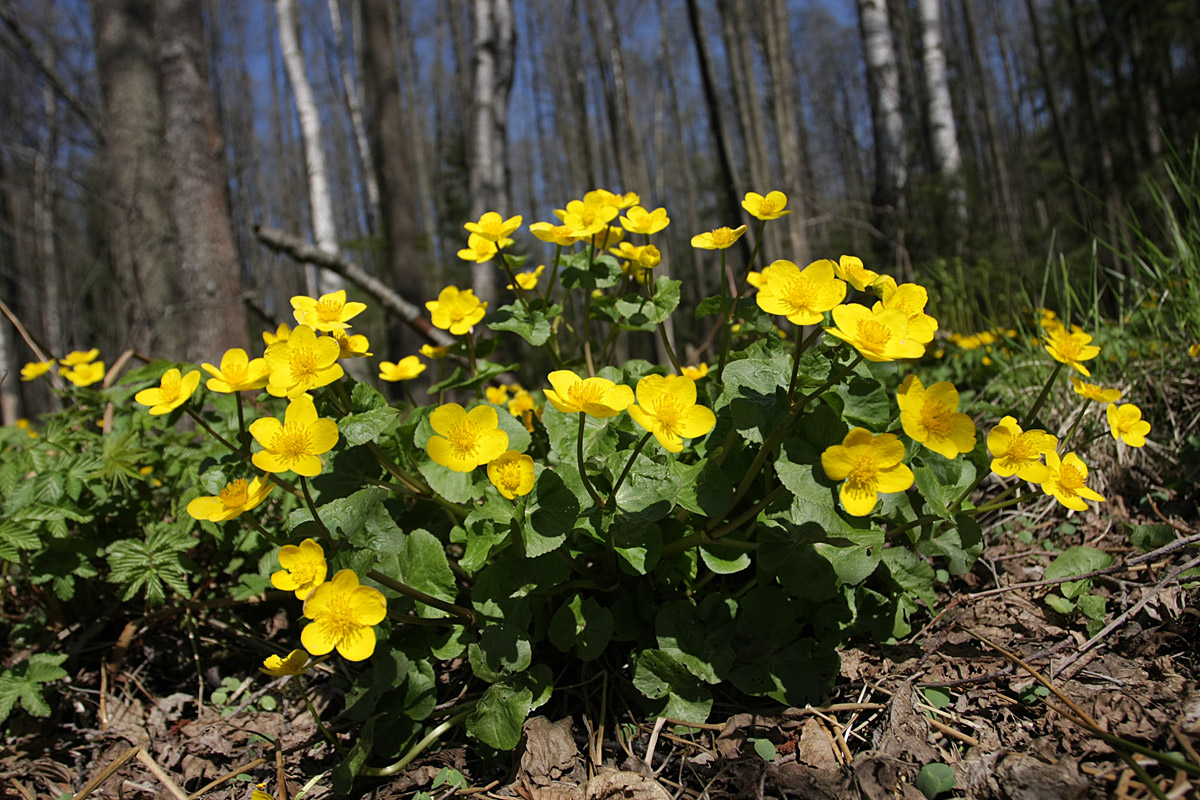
column 143, row 143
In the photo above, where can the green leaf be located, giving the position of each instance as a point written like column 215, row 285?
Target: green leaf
column 23, row 684
column 938, row 698
column 502, row 650
column 699, row 637
column 1077, row 560
column 551, row 515
column 603, row 273
column 912, row 573
column 424, row 566
column 582, row 624
column 345, row 516
column 714, row 304
column 1093, row 606
column 657, row 675
column 641, row 313
column 1150, row 537
column 765, row 749
column 498, row 717
column 724, row 560
column 364, row 397
column 366, row 427
column 461, row 378
column 533, row 325
column 934, row 779
column 1060, row 604
column 864, row 402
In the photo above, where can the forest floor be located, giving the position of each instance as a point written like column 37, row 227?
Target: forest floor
column 954, row 693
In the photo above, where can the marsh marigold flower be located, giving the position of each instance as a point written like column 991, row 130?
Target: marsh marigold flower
column 695, row 373
column 1018, row 452
column 77, row 358
column 297, row 443
column 343, row 615
column 479, row 249
column 237, row 373
column 351, row 345
column 304, row 568
column 1065, row 481
column 617, row 201
column 801, row 295
column 294, row 663
column 667, row 408
column 911, row 299
column 868, row 465
column 496, row 395
column 528, row 279
column 328, row 313
column 638, row 259
column 511, row 473
column 465, row 439
column 87, row 374
column 878, row 334
column 405, row 369
column 429, row 351
column 1094, row 391
column 1070, row 347
column 772, row 206
column 237, row 496
column 456, row 311
column 930, row 416
column 718, row 238
column 639, row 220
column 35, row 369
column 172, row 391
column 851, row 270
column 1127, row 425
column 587, row 217
column 281, row 334
column 494, row 227
column 560, row 235
column 302, row 362
column 597, row 397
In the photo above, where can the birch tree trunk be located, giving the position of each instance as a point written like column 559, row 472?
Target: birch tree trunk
column 493, row 47
column 354, row 108
column 209, row 274
column 789, row 127
column 891, row 156
column 319, row 199
column 943, row 132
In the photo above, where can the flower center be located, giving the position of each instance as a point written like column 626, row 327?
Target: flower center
column 936, row 417
column 337, row 618
column 234, row 494
column 464, row 438
column 292, row 443
column 1070, row 478
column 1022, row 449
column 873, row 335
column 236, row 373
column 586, row 392
column 509, row 476
column 863, row 476
column 668, row 409
column 723, row 237
column 304, row 363
column 329, row 310
column 1068, row 347
column 170, row 389
column 799, row 293
column 767, row 206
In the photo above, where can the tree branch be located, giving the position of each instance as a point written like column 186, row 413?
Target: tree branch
column 43, row 65
column 306, row 253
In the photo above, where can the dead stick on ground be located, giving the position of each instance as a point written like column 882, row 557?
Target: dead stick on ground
column 228, row 776
column 105, row 773
column 1148, row 594
column 280, row 775
column 161, row 774
column 22, row 789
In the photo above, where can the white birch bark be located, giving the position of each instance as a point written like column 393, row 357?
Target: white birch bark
column 320, row 201
column 354, row 107
column 943, row 132
column 883, row 87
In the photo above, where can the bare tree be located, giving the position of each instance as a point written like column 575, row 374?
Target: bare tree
column 943, row 131
column 354, row 108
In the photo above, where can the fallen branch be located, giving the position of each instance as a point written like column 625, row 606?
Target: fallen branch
column 306, row 253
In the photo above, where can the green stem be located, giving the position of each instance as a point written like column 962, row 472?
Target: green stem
column 972, row 512
column 242, row 453
column 553, row 274
column 512, row 279
column 1074, row 426
column 1041, row 398
column 464, row 614
column 243, row 434
column 628, row 466
column 419, row 747
column 258, row 526
column 748, row 514
column 662, row 332
column 587, row 484
column 796, row 365
column 726, row 318
column 471, row 352
column 587, row 333
column 312, row 509
column 410, row 482
column 316, row 717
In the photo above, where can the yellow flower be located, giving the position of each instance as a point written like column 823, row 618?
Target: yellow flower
column 237, row 496
column 1070, row 347
column 528, row 279
column 868, row 464
column 405, row 369
column 467, row 439
column 297, row 443
column 639, row 220
column 511, row 473
column 479, row 249
column 522, row 405
column 343, row 615
column 1127, row 424
column 879, row 335
column 881, row 285
column 496, row 395
column 930, row 416
column 237, row 372
column 493, row 227
column 554, row 234
column 456, row 311
column 851, row 270
column 304, row 568
column 1194, row 350
column 77, row 358
column 1093, row 391
column 429, row 351
column 302, row 362
column 638, row 259
column 597, row 397
column 803, row 296
column 667, row 408
column 1065, row 481
column 587, row 217
column 294, row 663
column 911, row 299
column 328, row 313
column 35, row 369
column 281, row 334
column 351, row 346
column 172, row 391
column 718, row 238
column 1018, row 452
column 773, row 206
column 23, row 424
column 617, row 201
column 695, row 373
column 87, row 374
